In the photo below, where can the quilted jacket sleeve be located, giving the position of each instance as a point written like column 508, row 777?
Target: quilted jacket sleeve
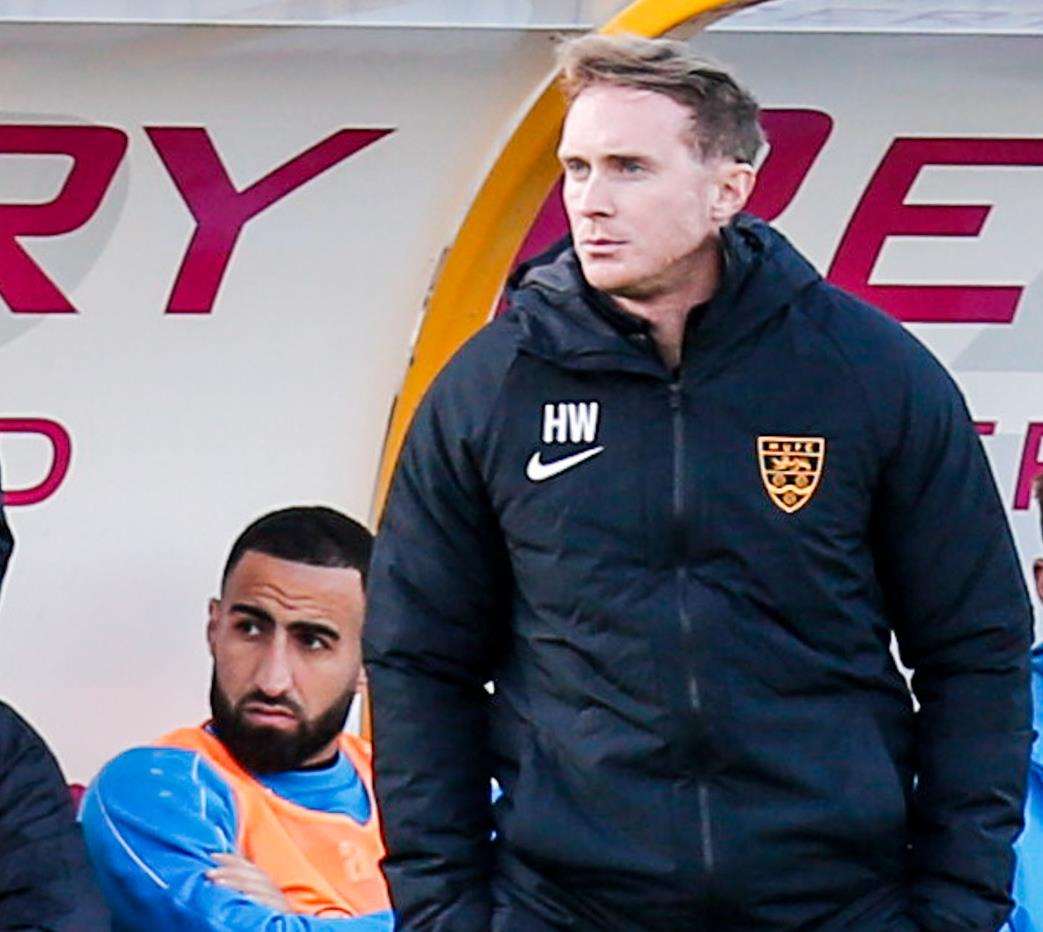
column 435, row 595
column 964, row 625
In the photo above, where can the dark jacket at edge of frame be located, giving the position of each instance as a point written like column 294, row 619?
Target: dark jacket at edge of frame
column 46, row 881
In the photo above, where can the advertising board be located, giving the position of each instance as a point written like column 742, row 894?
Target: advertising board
column 216, row 243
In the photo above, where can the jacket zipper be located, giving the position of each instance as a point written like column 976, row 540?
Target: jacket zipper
column 692, row 683
column 678, row 501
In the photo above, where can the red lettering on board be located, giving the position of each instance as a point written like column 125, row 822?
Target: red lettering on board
column 1031, row 465
column 96, row 152
column 221, row 211
column 883, row 213
column 985, row 428
column 61, row 454
column 797, row 137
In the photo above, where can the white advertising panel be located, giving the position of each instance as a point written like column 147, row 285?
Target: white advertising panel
column 214, row 249
column 215, row 244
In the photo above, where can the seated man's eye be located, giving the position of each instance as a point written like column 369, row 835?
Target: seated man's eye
column 249, row 628
column 314, row 642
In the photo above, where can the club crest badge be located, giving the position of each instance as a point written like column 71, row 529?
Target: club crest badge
column 791, row 468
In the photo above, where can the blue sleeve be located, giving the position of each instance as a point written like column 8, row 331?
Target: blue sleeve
column 153, row 819
column 1028, row 877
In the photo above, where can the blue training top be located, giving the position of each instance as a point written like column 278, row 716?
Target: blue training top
column 154, row 818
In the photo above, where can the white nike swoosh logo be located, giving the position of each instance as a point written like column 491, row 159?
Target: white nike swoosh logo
column 538, row 471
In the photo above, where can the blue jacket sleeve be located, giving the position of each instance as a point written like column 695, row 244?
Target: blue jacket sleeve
column 153, row 819
column 950, row 577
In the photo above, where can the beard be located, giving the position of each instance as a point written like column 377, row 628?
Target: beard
column 261, row 749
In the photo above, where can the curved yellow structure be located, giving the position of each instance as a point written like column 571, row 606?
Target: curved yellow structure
column 473, row 273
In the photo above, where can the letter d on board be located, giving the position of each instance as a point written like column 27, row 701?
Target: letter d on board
column 61, row 454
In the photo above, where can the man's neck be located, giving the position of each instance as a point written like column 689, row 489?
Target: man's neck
column 320, row 759
column 323, row 763
column 667, row 311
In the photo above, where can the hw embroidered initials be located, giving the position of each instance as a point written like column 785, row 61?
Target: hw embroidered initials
column 570, row 422
column 565, row 422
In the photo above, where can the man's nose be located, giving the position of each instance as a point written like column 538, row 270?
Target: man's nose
column 594, row 197
column 274, row 676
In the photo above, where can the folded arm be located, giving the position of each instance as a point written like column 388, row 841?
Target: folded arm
column 154, row 820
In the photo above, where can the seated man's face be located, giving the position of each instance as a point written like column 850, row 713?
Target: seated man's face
column 285, row 638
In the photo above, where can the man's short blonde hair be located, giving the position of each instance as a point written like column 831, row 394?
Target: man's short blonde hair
column 724, row 114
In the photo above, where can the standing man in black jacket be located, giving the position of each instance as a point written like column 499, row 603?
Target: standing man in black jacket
column 673, row 505
column 45, row 879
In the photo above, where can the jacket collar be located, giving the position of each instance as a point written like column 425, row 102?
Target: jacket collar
column 567, row 322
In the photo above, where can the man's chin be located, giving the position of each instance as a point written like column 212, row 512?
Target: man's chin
column 610, row 281
column 270, row 743
column 265, row 750
column 610, row 278
column 261, row 734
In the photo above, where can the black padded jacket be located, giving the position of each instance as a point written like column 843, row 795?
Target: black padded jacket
column 684, row 586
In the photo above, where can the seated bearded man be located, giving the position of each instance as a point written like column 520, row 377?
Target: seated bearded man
column 262, row 818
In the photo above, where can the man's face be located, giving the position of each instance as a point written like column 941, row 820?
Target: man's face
column 285, row 638
column 643, row 205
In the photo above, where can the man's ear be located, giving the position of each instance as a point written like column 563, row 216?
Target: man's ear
column 1038, row 568
column 735, row 182
column 213, row 619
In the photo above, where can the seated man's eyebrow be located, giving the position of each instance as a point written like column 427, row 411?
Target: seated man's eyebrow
column 257, row 614
column 314, row 627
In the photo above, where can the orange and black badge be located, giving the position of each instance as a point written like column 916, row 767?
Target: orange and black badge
column 791, row 468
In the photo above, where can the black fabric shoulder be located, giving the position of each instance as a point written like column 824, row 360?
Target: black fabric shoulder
column 28, row 772
column 466, row 390
column 17, row 736
column 892, row 368
column 45, row 879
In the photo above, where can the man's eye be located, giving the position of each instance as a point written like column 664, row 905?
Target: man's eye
column 575, row 167
column 630, row 167
column 248, row 628
column 314, row 642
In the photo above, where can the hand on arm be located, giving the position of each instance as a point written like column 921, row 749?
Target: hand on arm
column 237, row 873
